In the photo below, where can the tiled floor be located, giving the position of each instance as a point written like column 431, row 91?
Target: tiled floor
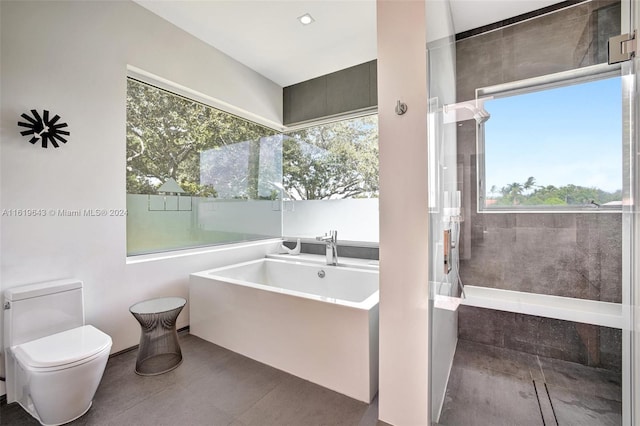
column 488, row 386
column 212, row 386
column 491, row 386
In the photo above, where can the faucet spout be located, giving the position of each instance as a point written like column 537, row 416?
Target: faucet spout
column 331, row 239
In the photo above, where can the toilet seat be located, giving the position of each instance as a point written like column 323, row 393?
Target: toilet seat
column 62, row 350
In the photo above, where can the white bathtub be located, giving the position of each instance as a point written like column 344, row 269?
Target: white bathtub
column 283, row 314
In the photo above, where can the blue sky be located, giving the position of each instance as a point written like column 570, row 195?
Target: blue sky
column 567, row 135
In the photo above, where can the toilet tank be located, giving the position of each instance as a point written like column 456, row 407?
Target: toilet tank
column 38, row 310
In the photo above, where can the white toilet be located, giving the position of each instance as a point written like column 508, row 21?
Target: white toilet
column 53, row 361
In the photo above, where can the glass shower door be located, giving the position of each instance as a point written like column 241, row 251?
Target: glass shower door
column 444, row 202
column 538, row 222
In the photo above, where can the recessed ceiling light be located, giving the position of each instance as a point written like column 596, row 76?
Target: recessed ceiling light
column 306, row 19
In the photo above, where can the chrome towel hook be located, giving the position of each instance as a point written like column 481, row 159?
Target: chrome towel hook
column 401, row 108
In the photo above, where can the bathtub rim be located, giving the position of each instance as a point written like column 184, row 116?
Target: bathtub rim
column 367, row 304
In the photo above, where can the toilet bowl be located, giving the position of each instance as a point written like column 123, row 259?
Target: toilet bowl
column 54, row 362
column 59, row 374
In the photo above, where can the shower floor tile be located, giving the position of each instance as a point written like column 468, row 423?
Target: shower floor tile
column 575, row 408
column 509, row 362
column 592, row 381
column 491, row 386
column 484, row 397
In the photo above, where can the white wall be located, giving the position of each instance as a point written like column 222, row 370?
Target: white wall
column 71, row 58
column 404, row 214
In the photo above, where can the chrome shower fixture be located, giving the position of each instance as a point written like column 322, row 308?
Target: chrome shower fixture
column 481, row 115
column 473, row 109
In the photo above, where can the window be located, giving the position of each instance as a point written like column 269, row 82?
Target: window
column 333, row 161
column 197, row 175
column 552, row 143
column 330, row 177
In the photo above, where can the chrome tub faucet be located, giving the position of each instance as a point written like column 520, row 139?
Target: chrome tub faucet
column 331, row 239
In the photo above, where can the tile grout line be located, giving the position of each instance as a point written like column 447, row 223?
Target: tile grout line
column 122, row 412
column 237, row 418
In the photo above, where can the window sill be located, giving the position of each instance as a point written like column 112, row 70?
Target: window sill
column 553, row 211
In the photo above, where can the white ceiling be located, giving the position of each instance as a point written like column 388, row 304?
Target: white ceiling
column 266, row 36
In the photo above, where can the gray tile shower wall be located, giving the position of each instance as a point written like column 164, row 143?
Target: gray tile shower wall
column 573, row 255
column 565, row 340
column 563, row 254
column 560, row 41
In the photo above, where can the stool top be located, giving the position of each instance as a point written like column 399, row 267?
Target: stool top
column 159, row 305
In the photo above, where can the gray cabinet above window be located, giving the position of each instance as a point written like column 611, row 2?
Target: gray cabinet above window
column 348, row 90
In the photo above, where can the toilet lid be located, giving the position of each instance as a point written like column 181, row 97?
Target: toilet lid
column 62, row 348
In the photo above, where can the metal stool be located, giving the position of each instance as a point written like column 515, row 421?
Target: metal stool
column 159, row 350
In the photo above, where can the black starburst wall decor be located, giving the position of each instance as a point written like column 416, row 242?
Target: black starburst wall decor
column 41, row 128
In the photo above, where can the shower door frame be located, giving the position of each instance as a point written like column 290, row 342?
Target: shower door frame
column 630, row 229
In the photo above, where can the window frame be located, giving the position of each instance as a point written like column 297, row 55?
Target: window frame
column 531, row 85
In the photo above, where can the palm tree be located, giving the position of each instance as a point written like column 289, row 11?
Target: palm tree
column 530, row 183
column 513, row 192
